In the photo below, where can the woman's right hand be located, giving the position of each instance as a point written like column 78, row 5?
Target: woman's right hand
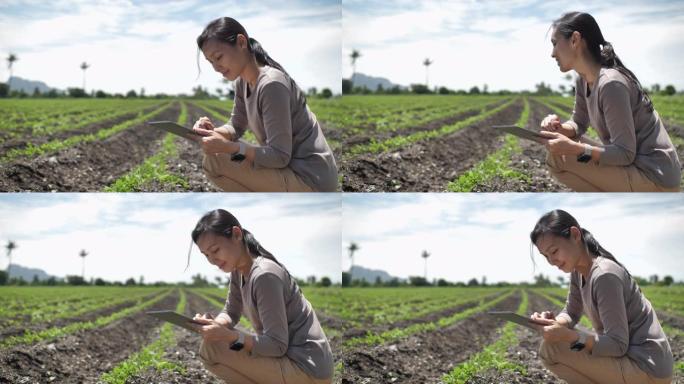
column 205, row 318
column 203, row 125
column 551, row 123
column 543, row 318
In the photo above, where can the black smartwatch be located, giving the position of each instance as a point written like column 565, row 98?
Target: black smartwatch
column 240, row 155
column 239, row 343
column 586, row 156
column 580, row 343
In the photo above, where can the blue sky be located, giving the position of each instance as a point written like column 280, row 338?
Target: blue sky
column 504, row 43
column 151, row 44
column 475, row 235
column 128, row 235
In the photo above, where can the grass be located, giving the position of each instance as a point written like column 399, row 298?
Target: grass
column 59, row 144
column 152, row 356
column 497, row 164
column 400, row 141
column 154, row 168
column 31, row 337
column 373, row 338
column 492, row 356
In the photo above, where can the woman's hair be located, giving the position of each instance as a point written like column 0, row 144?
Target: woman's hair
column 601, row 50
column 558, row 223
column 221, row 222
column 226, row 30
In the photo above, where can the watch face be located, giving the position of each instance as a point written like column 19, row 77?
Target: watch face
column 583, row 158
column 577, row 346
column 237, row 157
column 237, row 346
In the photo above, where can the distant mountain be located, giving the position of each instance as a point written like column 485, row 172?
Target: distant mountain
column 370, row 275
column 370, row 82
column 28, row 273
column 17, row 83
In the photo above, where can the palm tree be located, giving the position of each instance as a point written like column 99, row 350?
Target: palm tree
column 84, row 66
column 354, row 56
column 427, row 62
column 11, row 246
column 10, row 61
column 425, row 256
column 83, row 255
column 353, row 247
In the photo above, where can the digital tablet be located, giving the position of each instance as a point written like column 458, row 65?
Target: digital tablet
column 175, row 318
column 514, row 317
column 176, row 129
column 521, row 132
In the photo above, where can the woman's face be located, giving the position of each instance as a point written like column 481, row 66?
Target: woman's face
column 563, row 253
column 564, row 50
column 222, row 251
column 228, row 60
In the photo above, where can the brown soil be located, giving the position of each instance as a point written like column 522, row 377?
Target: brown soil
column 82, row 356
column 424, row 357
column 86, row 166
column 429, row 165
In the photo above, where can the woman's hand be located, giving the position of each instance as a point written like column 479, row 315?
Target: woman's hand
column 543, row 318
column 552, row 123
column 217, row 332
column 557, row 332
column 559, row 144
column 215, row 141
column 203, row 123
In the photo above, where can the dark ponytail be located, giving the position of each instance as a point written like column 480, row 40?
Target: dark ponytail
column 221, row 222
column 558, row 223
column 601, row 50
column 226, row 30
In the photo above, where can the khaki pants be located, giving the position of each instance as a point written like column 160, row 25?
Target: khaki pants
column 581, row 367
column 237, row 367
column 591, row 177
column 232, row 176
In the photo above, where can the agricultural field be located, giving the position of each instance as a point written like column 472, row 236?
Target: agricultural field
column 399, row 335
column 381, row 143
column 393, row 340
column 445, row 143
column 101, row 334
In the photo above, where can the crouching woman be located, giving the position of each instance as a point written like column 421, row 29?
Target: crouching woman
column 288, row 344
column 628, row 344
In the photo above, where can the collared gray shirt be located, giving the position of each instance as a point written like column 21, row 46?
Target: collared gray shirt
column 287, row 131
column 624, row 320
column 629, row 131
column 284, row 321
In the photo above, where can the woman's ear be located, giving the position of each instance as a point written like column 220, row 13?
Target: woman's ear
column 242, row 42
column 237, row 233
column 575, row 39
column 576, row 234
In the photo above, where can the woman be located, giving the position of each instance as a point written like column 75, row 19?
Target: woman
column 629, row 345
column 289, row 345
column 292, row 155
column 635, row 153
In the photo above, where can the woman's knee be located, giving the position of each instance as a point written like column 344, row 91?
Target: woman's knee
column 554, row 163
column 206, row 353
column 549, row 353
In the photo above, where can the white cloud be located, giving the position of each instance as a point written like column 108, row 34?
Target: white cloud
column 488, row 234
column 496, row 43
column 149, row 234
column 131, row 46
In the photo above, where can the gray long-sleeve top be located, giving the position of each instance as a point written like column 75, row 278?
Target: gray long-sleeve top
column 287, row 131
column 629, row 131
column 624, row 320
column 284, row 321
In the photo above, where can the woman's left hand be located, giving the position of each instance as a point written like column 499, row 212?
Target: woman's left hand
column 215, row 142
column 217, row 332
column 556, row 332
column 559, row 144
